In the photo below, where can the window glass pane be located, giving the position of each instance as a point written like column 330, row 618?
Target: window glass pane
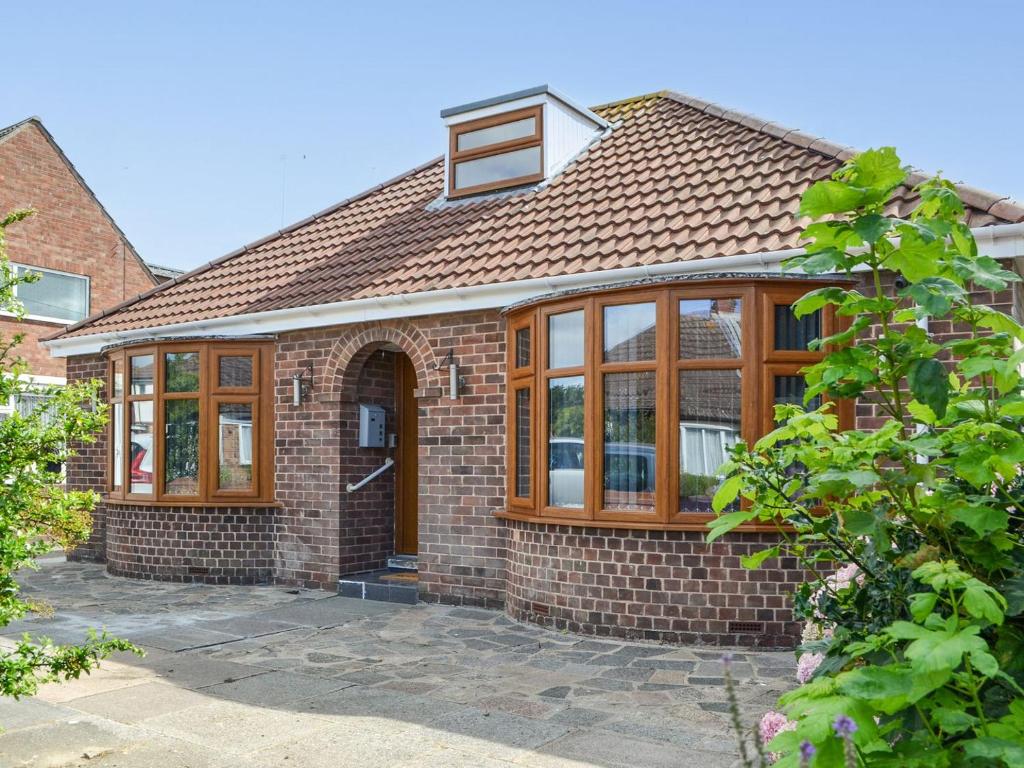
column 791, row 333
column 507, row 165
column 118, row 385
column 709, row 425
column 789, row 390
column 181, row 447
column 709, row 328
column 495, row 134
column 181, row 372
column 235, row 446
column 629, row 332
column 629, row 430
column 141, row 458
column 118, row 444
column 565, row 442
column 62, row 297
column 522, row 443
column 565, row 340
column 522, row 347
column 235, row 371
column 142, row 375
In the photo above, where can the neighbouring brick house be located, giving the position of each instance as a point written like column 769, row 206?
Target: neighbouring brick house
column 537, row 347
column 86, row 264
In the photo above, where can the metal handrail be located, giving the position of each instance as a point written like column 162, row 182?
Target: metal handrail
column 388, row 463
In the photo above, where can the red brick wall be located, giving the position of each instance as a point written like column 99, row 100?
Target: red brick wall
column 212, row 545
column 68, row 232
column 668, row 586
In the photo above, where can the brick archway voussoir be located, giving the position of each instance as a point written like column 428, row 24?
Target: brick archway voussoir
column 355, row 345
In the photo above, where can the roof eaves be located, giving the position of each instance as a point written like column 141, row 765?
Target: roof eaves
column 999, row 206
column 239, row 251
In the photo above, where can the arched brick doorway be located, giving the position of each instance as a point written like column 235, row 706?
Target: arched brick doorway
column 380, row 366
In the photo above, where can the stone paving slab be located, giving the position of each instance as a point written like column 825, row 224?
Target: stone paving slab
column 269, row 677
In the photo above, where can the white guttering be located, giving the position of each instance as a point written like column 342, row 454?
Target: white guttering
column 1000, row 241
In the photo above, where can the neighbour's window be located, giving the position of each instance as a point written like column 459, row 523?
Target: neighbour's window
column 637, row 396
column 191, row 422
column 60, row 297
column 496, row 152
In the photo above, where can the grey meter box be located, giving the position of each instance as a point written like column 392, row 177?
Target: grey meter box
column 371, row 426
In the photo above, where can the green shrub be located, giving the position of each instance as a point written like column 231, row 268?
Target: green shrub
column 921, row 641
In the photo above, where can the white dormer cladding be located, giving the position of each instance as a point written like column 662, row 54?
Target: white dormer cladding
column 566, row 130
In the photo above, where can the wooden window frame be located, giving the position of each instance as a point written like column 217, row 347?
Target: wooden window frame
column 208, row 395
column 456, row 156
column 757, row 363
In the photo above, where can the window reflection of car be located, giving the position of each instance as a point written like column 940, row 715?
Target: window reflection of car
column 628, row 467
column 142, row 459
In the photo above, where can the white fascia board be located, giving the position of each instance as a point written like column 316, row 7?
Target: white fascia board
column 1001, row 241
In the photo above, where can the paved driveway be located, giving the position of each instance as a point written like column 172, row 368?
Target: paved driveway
column 266, row 676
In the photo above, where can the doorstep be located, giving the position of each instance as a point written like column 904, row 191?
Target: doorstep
column 384, row 585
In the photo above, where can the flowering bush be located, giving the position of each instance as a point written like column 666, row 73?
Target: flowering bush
column 913, row 654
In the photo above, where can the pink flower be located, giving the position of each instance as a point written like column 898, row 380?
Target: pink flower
column 773, row 723
column 806, row 665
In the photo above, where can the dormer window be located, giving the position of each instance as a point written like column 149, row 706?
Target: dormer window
column 515, row 140
column 495, row 152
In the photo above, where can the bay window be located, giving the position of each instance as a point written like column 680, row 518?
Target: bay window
column 625, row 402
column 191, row 422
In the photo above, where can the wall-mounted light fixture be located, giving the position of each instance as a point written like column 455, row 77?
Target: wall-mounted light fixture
column 455, row 382
column 302, row 385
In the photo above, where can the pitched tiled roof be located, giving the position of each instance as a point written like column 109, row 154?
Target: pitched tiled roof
column 675, row 179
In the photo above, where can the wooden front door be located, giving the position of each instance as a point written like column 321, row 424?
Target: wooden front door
column 406, row 457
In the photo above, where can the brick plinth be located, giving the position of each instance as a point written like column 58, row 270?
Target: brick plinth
column 209, row 545
column 668, row 586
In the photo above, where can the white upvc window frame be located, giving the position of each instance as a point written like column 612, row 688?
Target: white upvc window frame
column 17, row 265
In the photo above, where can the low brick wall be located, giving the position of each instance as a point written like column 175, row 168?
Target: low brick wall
column 209, row 545
column 667, row 586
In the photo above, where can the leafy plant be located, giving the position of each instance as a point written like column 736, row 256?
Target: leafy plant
column 920, row 637
column 36, row 511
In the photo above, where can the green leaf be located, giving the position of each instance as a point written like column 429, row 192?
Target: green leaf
column 725, row 523
column 935, row 295
column 757, row 559
column 878, row 169
column 988, row 748
column 929, row 383
column 860, row 522
column 981, row 519
column 872, row 227
column 921, row 412
column 887, row 688
column 1013, row 590
column 811, row 302
column 727, row 492
column 953, row 721
column 922, row 605
column 915, row 258
column 825, row 197
column 983, row 602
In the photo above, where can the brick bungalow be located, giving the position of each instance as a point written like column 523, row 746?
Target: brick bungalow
column 537, row 346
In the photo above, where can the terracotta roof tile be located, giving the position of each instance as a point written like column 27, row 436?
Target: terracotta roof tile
column 677, row 178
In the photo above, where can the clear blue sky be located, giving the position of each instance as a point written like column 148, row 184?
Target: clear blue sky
column 186, row 120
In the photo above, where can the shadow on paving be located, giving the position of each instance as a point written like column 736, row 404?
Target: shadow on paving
column 266, row 676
